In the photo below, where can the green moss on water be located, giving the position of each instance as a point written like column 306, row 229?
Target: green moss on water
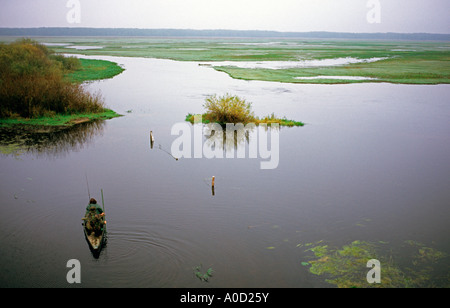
column 346, row 266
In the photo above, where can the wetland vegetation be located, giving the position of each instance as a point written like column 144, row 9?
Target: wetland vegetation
column 90, row 70
column 345, row 267
column 233, row 109
column 40, row 87
column 402, row 62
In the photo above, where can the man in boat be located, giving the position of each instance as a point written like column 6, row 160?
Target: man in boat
column 94, row 217
column 94, row 206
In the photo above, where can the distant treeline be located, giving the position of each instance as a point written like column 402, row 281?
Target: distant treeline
column 216, row 33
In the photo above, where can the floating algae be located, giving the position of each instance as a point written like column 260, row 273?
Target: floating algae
column 203, row 276
column 346, row 267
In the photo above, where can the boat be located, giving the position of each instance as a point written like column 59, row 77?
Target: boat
column 96, row 240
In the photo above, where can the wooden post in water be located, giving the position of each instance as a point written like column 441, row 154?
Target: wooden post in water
column 212, row 185
column 152, row 140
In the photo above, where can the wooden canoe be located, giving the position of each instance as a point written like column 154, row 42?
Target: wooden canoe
column 95, row 241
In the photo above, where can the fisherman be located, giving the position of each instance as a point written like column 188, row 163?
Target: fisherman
column 94, row 206
column 94, row 215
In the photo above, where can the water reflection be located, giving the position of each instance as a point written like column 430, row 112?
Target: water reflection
column 47, row 141
column 229, row 138
column 263, row 142
column 234, row 137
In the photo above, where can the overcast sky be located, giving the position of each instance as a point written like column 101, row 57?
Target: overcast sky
column 406, row 16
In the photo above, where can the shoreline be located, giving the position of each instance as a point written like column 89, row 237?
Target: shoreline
column 59, row 121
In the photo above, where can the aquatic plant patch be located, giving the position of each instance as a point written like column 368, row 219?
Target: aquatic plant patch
column 233, row 109
column 347, row 266
column 203, row 276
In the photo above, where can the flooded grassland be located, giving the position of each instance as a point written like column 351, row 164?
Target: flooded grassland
column 291, row 60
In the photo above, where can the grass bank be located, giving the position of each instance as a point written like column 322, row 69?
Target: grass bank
column 61, row 120
column 91, row 70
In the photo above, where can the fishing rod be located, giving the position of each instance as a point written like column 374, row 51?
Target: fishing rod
column 103, row 202
column 152, row 141
column 87, row 183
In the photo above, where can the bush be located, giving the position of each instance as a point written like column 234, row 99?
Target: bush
column 68, row 63
column 228, row 109
column 32, row 83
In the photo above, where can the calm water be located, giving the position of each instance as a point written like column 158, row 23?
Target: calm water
column 371, row 164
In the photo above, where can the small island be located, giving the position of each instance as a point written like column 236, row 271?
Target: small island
column 233, row 109
column 41, row 88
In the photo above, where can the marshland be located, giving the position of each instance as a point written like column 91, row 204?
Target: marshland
column 366, row 177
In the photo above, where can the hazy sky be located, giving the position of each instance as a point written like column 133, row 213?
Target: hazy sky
column 405, row 16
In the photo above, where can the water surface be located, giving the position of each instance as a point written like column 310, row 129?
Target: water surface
column 277, row 65
column 371, row 164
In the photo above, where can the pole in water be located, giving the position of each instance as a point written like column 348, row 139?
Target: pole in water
column 152, row 140
column 212, row 185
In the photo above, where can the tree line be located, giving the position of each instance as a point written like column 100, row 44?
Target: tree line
column 82, row 31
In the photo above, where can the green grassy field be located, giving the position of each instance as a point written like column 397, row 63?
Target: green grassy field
column 95, row 70
column 403, row 61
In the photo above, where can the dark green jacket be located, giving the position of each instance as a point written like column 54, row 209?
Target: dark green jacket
column 98, row 209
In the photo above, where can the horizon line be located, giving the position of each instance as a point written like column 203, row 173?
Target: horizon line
column 219, row 29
